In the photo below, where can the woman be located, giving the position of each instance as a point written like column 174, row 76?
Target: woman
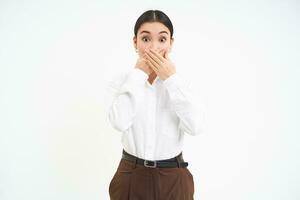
column 153, row 107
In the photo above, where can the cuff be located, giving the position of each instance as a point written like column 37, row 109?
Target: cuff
column 171, row 81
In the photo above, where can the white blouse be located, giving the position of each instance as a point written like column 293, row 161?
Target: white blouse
column 154, row 118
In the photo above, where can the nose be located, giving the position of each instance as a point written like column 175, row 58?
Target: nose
column 155, row 46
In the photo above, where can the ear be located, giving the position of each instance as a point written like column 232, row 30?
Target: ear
column 134, row 42
column 171, row 44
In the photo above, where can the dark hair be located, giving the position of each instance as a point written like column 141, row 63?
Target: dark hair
column 153, row 16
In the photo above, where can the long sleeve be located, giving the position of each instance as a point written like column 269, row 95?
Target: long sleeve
column 188, row 106
column 124, row 99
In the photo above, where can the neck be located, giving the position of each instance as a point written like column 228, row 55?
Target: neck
column 152, row 76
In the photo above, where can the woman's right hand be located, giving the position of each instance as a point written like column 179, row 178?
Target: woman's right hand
column 142, row 64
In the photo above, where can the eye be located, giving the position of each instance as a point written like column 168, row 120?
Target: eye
column 163, row 39
column 145, row 39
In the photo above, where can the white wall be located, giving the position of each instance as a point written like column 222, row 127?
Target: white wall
column 56, row 57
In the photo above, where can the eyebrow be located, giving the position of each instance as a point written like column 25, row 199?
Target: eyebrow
column 149, row 32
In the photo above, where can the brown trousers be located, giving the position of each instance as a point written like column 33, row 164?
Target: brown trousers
column 133, row 181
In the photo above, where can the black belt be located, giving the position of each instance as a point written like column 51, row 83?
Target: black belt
column 172, row 162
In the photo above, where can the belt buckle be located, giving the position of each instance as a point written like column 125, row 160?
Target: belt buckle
column 146, row 162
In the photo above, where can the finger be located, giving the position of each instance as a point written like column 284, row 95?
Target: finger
column 162, row 52
column 166, row 54
column 152, row 64
column 153, row 68
column 144, row 56
column 157, row 55
column 153, row 57
column 153, row 61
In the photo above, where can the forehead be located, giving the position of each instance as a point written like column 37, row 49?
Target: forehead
column 153, row 28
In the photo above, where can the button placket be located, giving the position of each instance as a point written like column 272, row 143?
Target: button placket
column 150, row 137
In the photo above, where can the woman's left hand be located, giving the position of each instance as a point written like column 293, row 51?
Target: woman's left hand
column 161, row 65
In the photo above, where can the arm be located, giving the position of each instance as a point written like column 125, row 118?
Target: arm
column 187, row 105
column 124, row 98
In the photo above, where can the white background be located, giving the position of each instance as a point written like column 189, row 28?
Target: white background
column 57, row 56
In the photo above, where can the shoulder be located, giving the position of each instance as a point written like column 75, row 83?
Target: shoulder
column 117, row 79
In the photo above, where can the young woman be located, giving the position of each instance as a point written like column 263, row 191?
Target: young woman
column 154, row 108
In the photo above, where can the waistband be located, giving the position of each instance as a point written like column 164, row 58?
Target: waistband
column 176, row 161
